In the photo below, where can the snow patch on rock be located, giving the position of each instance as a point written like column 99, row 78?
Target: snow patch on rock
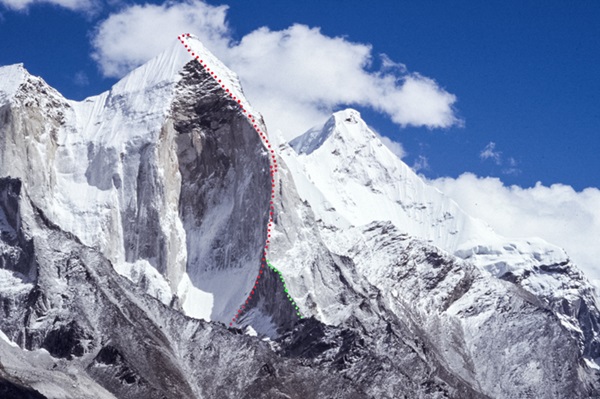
column 144, row 275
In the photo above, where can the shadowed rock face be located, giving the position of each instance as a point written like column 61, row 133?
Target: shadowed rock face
column 11, row 390
column 225, row 179
column 17, row 248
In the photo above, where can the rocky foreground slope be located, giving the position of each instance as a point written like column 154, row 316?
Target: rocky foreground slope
column 132, row 228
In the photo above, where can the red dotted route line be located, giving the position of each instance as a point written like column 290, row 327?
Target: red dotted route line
column 272, row 166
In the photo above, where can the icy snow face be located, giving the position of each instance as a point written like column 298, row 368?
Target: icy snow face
column 11, row 77
column 7, row 340
column 360, row 180
column 315, row 137
column 142, row 274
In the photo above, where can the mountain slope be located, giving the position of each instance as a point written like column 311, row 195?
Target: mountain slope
column 366, row 182
column 125, row 172
column 123, row 215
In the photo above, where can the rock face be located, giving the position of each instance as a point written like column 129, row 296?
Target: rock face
column 225, row 185
column 132, row 227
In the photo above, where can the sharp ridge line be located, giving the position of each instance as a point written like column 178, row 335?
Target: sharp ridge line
column 273, row 168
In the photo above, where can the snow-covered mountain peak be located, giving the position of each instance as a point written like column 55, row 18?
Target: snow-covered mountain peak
column 348, row 115
column 364, row 182
column 167, row 66
column 350, row 178
column 147, row 93
column 352, row 181
column 228, row 79
column 344, row 128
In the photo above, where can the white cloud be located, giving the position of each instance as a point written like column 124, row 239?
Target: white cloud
column 510, row 164
column 416, row 101
column 421, row 164
column 387, row 64
column 81, row 79
column 296, row 76
column 129, row 38
column 70, row 4
column 558, row 213
column 511, row 168
column 489, row 152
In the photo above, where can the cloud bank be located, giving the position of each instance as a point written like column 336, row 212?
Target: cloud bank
column 70, row 4
column 558, row 213
column 297, row 76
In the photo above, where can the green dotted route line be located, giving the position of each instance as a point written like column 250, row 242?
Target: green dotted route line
column 285, row 288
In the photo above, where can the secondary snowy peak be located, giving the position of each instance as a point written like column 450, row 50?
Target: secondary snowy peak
column 344, row 131
column 350, row 178
column 344, row 126
column 365, row 182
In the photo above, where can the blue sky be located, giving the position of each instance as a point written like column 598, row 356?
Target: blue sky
column 525, row 76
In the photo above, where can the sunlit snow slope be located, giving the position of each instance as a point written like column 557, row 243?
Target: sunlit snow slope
column 350, row 179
